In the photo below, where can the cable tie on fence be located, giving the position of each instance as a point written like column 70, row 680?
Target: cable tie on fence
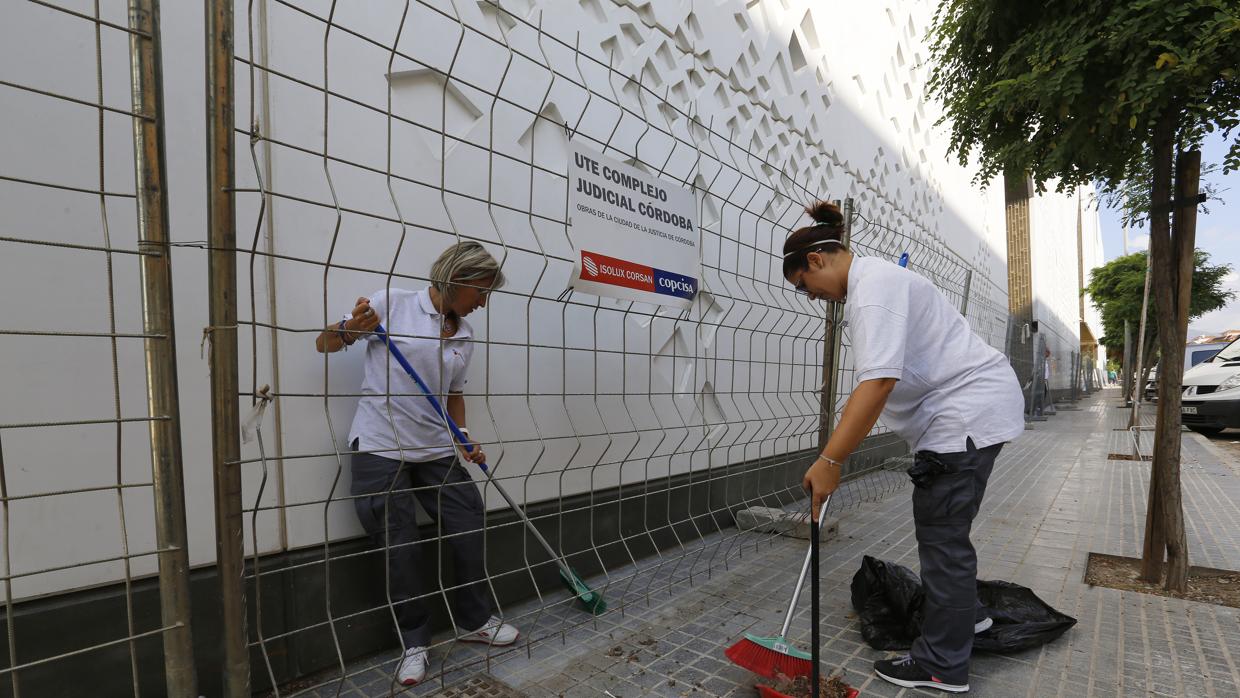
column 206, row 334
column 250, row 424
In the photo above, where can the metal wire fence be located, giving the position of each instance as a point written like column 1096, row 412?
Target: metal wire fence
column 347, row 146
column 81, row 449
column 613, row 403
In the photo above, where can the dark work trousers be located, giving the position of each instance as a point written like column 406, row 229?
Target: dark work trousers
column 448, row 494
column 943, row 511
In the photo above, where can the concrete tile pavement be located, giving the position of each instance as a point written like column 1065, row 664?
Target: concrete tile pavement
column 1053, row 498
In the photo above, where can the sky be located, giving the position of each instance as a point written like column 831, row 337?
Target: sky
column 1218, row 233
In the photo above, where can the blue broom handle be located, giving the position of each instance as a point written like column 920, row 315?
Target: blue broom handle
column 404, row 363
column 904, row 260
column 469, row 447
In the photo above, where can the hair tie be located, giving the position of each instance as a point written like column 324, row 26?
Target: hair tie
column 816, row 243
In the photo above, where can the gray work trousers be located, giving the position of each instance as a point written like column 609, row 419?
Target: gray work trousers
column 450, row 497
column 943, row 512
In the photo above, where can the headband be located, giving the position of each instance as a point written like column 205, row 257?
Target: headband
column 816, row 243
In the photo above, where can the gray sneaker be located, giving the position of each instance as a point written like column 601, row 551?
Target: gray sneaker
column 905, row 671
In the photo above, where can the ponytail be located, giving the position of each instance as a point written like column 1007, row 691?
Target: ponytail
column 824, row 236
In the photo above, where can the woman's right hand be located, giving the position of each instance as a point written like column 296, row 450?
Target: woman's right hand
column 364, row 319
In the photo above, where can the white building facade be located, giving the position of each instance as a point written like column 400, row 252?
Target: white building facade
column 372, row 135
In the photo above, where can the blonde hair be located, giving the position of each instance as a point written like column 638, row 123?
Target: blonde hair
column 464, row 261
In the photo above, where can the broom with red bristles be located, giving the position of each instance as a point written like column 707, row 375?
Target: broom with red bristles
column 772, row 656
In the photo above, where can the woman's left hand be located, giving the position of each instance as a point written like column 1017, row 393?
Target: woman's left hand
column 474, row 456
column 821, row 480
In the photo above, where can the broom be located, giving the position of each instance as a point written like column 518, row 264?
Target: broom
column 769, row 656
column 591, row 600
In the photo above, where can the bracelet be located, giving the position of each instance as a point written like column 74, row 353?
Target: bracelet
column 343, row 333
column 832, row 461
column 463, row 430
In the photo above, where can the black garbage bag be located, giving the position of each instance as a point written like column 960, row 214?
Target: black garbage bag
column 888, row 599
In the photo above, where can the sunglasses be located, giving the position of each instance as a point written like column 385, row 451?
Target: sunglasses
column 483, row 291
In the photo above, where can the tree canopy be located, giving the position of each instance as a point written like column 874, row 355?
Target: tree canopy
column 1118, row 93
column 1071, row 90
column 1116, row 289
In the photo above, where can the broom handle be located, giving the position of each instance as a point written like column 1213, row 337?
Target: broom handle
column 469, row 447
column 796, row 592
column 814, row 652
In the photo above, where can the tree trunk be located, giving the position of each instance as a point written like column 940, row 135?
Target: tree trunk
column 1184, row 217
column 1164, row 271
column 1145, row 352
column 1153, row 552
column 1172, row 262
column 1127, row 370
column 1151, row 358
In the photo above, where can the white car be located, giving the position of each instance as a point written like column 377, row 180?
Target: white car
column 1211, row 400
column 1193, row 355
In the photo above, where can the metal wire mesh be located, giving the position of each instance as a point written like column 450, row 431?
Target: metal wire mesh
column 84, row 446
column 369, row 137
column 644, row 427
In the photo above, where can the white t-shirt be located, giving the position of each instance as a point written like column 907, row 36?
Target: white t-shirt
column 952, row 385
column 414, row 426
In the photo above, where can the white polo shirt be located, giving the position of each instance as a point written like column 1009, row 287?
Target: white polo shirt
column 952, row 385
column 414, row 426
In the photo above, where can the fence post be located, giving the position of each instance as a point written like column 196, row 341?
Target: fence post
column 1043, row 401
column 222, row 293
column 831, row 348
column 968, row 285
column 160, row 348
column 1076, row 371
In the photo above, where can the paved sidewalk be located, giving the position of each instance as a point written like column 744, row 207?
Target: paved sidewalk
column 1054, row 497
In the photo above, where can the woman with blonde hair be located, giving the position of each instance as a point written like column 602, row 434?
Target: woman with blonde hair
column 403, row 450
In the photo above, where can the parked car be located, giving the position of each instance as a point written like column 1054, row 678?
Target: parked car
column 1211, row 400
column 1193, row 354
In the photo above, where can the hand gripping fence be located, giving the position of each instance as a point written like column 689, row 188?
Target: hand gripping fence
column 591, row 600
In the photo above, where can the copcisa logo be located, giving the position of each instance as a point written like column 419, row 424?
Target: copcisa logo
column 618, row 272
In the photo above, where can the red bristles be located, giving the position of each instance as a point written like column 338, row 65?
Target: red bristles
column 766, row 662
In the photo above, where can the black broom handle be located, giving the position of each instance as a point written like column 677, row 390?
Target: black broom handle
column 813, row 584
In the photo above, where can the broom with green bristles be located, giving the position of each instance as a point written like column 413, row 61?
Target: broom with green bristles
column 775, row 656
column 591, row 600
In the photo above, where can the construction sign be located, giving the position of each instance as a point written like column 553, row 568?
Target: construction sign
column 622, row 222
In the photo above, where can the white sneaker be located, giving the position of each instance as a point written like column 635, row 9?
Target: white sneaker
column 412, row 666
column 983, row 625
column 493, row 632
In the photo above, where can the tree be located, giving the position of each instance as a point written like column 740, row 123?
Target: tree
column 1079, row 91
column 1132, row 196
column 1116, row 289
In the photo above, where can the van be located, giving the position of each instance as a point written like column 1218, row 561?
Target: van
column 1211, row 400
column 1193, row 355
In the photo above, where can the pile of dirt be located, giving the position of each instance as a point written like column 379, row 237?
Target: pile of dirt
column 828, row 687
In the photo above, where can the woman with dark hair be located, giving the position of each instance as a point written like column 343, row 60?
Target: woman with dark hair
column 403, row 450
column 941, row 388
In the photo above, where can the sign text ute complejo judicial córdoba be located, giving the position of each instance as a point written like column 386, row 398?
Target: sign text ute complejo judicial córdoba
column 636, row 236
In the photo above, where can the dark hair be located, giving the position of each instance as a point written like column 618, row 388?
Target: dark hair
column 823, row 236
